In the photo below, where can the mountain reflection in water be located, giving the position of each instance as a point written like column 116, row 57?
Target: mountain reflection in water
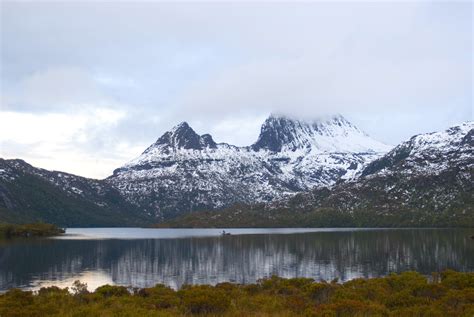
column 235, row 258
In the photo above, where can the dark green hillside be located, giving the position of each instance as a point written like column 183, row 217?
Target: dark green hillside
column 28, row 194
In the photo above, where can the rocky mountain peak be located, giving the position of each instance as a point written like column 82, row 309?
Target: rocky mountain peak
column 182, row 136
column 207, row 141
column 328, row 134
column 275, row 132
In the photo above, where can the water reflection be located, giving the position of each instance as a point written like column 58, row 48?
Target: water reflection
column 237, row 258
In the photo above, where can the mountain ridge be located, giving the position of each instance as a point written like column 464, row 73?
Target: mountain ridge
column 182, row 136
column 281, row 132
column 425, row 181
column 428, row 176
column 289, row 156
column 30, row 194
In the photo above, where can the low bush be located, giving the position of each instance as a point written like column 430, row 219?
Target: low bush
column 408, row 294
column 111, row 290
column 204, row 299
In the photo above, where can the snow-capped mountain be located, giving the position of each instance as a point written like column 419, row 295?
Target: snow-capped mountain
column 183, row 171
column 430, row 153
column 341, row 175
column 333, row 134
column 425, row 181
column 430, row 173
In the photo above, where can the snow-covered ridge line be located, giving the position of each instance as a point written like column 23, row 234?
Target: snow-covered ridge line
column 431, row 152
column 278, row 134
column 333, row 134
column 442, row 140
column 184, row 171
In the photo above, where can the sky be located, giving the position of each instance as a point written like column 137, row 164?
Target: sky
column 87, row 86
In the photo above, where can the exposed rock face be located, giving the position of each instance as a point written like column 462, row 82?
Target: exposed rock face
column 332, row 134
column 182, row 137
column 305, row 171
column 431, row 174
column 183, row 171
column 425, row 181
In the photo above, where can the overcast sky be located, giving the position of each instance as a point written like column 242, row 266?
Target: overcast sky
column 87, row 86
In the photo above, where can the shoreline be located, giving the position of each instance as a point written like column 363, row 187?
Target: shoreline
column 31, row 230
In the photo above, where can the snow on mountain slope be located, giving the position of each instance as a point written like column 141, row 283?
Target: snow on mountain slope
column 430, row 153
column 183, row 171
column 329, row 135
column 425, row 181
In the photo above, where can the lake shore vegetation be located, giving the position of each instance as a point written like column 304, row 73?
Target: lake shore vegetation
column 448, row 293
column 8, row 231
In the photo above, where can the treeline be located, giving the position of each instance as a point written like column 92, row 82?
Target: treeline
column 442, row 200
column 29, row 230
column 408, row 294
column 257, row 216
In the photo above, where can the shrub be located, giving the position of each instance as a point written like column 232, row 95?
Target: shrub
column 406, row 280
column 17, row 303
column 52, row 291
column 227, row 287
column 160, row 296
column 407, row 294
column 457, row 280
column 320, row 292
column 79, row 288
column 204, row 299
column 352, row 308
column 111, row 290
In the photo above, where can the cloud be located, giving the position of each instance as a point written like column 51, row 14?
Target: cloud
column 310, row 88
column 237, row 130
column 72, row 142
column 58, row 89
column 105, row 79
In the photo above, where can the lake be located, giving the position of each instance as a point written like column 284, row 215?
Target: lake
column 143, row 257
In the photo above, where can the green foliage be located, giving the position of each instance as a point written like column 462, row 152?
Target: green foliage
column 29, row 230
column 111, row 290
column 321, row 217
column 79, row 288
column 452, row 279
column 204, row 299
column 52, row 291
column 408, row 294
column 35, row 199
column 159, row 296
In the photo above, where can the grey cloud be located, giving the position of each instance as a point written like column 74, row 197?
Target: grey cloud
column 395, row 68
column 55, row 89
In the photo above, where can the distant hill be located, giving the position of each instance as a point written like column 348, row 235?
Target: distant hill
column 425, row 181
column 29, row 194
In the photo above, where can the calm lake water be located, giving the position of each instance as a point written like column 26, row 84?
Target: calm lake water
column 143, row 257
